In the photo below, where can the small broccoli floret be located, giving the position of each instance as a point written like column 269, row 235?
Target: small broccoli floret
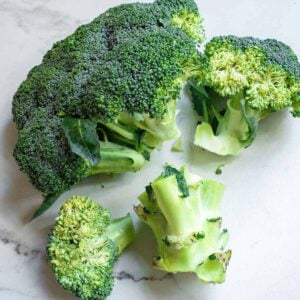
column 183, row 212
column 55, row 161
column 83, row 246
column 246, row 80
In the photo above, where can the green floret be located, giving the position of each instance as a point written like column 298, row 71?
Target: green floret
column 183, row 211
column 49, row 151
column 117, row 79
column 246, row 80
column 83, row 246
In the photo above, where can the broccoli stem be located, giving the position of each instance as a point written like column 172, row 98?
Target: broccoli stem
column 125, row 131
column 181, row 217
column 121, row 232
column 117, row 159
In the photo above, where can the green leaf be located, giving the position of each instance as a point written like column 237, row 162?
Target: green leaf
column 201, row 99
column 182, row 184
column 150, row 193
column 49, row 200
column 252, row 125
column 83, row 139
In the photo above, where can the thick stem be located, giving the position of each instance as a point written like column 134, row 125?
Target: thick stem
column 180, row 216
column 121, row 232
column 158, row 129
column 126, row 132
column 117, row 159
column 233, row 123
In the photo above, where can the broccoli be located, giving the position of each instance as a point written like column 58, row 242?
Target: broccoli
column 43, row 152
column 83, row 246
column 246, row 80
column 183, row 212
column 112, row 84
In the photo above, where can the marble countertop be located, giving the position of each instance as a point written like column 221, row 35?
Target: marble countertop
column 261, row 204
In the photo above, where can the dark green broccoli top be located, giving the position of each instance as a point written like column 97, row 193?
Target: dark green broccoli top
column 126, row 55
column 139, row 74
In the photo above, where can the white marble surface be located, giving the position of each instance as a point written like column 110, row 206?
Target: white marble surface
column 262, row 201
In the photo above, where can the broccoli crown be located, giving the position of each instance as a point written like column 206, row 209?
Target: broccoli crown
column 265, row 72
column 44, row 154
column 126, row 56
column 183, row 212
column 83, row 246
column 122, row 73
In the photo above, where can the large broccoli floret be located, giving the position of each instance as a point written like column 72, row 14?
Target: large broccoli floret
column 183, row 212
column 115, row 80
column 83, row 246
column 246, row 80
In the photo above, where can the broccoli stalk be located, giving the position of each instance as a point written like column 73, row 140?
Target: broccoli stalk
column 117, row 159
column 121, row 232
column 246, row 80
column 183, row 212
column 83, row 246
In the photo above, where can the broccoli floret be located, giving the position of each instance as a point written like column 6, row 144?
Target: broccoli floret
column 118, row 79
column 246, row 80
column 83, row 246
column 183, row 211
column 44, row 153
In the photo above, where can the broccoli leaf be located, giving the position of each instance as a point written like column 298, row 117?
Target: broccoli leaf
column 182, row 184
column 201, row 99
column 252, row 124
column 83, row 139
column 150, row 193
column 49, row 200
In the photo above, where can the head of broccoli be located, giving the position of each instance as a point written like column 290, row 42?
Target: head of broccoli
column 83, row 246
column 183, row 211
column 105, row 97
column 246, row 79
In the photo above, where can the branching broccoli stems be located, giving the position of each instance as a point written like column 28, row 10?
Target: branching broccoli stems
column 228, row 124
column 117, row 159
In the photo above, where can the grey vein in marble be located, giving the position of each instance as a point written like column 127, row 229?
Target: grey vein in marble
column 123, row 275
column 19, row 247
